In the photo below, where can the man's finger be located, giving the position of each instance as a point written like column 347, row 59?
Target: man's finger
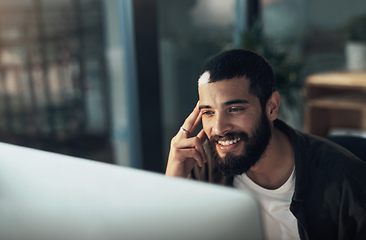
column 192, row 143
column 192, row 153
column 196, row 123
column 190, row 123
column 202, row 138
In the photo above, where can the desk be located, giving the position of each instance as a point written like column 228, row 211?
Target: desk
column 335, row 100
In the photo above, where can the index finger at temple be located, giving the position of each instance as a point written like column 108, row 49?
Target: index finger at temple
column 192, row 120
column 197, row 122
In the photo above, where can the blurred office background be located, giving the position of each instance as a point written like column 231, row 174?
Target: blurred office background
column 113, row 80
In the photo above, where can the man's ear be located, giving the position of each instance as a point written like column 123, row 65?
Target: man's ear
column 273, row 105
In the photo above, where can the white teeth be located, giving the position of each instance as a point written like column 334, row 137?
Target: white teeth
column 229, row 142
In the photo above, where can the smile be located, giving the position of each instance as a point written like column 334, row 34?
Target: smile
column 228, row 142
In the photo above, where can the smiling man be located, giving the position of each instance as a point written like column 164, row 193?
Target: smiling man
column 308, row 188
column 238, row 130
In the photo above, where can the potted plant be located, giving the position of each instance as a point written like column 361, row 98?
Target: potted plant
column 286, row 68
column 354, row 34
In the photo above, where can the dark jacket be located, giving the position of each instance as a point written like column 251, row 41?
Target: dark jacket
column 329, row 201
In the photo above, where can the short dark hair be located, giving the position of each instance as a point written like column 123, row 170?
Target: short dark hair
column 238, row 63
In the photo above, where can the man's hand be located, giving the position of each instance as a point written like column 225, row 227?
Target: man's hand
column 186, row 150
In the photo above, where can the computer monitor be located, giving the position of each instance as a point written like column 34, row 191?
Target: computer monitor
column 51, row 196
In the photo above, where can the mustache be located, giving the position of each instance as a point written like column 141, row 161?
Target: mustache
column 230, row 136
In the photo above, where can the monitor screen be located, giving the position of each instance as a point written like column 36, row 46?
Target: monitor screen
column 51, row 196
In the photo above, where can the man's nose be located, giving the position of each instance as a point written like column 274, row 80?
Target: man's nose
column 222, row 125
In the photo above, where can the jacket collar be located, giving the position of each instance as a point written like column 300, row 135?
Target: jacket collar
column 301, row 152
column 302, row 156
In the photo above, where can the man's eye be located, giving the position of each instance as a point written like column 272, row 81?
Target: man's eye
column 236, row 109
column 207, row 112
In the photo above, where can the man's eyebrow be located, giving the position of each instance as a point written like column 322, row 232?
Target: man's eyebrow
column 236, row 101
column 228, row 103
column 204, row 107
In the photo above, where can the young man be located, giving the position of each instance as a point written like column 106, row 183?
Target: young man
column 308, row 187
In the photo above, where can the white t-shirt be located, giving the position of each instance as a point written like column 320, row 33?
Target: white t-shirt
column 279, row 222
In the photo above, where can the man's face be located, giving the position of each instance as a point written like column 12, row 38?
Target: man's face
column 233, row 121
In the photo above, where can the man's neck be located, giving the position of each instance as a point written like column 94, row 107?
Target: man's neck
column 277, row 163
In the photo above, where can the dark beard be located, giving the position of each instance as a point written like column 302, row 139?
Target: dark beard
column 253, row 150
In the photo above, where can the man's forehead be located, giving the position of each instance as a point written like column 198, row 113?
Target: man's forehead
column 226, row 91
